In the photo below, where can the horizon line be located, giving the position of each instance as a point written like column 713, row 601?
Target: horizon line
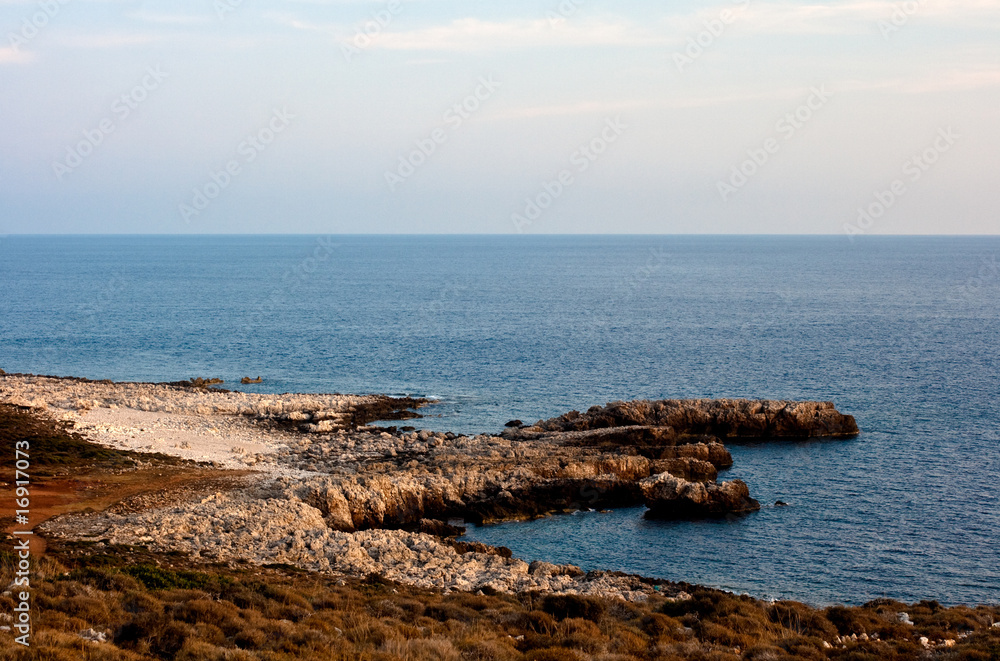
column 487, row 234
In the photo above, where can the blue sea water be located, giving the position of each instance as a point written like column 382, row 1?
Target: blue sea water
column 900, row 332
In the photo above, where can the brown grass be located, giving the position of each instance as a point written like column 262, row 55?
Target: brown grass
column 158, row 607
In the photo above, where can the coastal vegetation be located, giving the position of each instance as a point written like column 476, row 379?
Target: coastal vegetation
column 115, row 603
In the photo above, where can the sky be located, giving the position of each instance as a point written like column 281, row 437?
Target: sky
column 522, row 116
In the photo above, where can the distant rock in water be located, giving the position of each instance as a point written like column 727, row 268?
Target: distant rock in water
column 780, row 503
column 514, row 423
column 196, row 382
column 670, row 497
column 245, row 380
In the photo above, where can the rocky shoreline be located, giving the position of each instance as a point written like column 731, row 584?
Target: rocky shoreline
column 330, row 494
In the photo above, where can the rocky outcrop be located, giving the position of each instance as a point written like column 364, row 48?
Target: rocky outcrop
column 561, row 465
column 494, row 488
column 723, row 418
column 670, row 497
column 682, row 437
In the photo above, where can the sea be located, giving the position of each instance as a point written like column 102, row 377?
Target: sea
column 901, row 332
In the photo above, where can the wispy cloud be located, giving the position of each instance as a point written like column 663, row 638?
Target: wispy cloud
column 855, row 17
column 935, row 81
column 108, row 40
column 638, row 104
column 473, row 34
column 171, row 19
column 14, row 56
column 954, row 80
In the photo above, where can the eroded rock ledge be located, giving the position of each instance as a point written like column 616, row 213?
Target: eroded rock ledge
column 722, row 418
column 663, row 454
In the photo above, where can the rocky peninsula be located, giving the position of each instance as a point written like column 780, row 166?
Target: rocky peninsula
column 326, row 492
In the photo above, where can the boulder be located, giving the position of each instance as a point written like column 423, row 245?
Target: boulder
column 670, row 497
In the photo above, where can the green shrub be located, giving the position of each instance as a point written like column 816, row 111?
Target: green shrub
column 158, row 578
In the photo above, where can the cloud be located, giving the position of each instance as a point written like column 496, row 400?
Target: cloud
column 597, row 108
column 955, row 80
column 936, row 80
column 108, row 40
column 473, row 34
column 856, row 17
column 171, row 19
column 15, row 56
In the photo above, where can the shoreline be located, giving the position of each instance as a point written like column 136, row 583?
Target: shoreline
column 343, row 507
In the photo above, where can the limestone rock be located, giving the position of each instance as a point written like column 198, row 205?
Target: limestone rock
column 724, row 418
column 670, row 497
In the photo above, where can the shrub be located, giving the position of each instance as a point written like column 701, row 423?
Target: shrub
column 172, row 638
column 142, row 629
column 553, row 654
column 93, row 611
column 766, row 653
column 625, row 640
column 158, row 578
column 708, row 603
column 853, row 620
column 250, row 639
column 449, row 611
column 136, row 602
column 802, row 647
column 217, row 613
column 197, row 650
column 108, row 579
column 562, row 606
column 716, row 633
column 490, row 650
column 801, row 619
column 534, row 622
column 422, row 649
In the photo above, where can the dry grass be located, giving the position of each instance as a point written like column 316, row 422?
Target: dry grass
column 165, row 607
